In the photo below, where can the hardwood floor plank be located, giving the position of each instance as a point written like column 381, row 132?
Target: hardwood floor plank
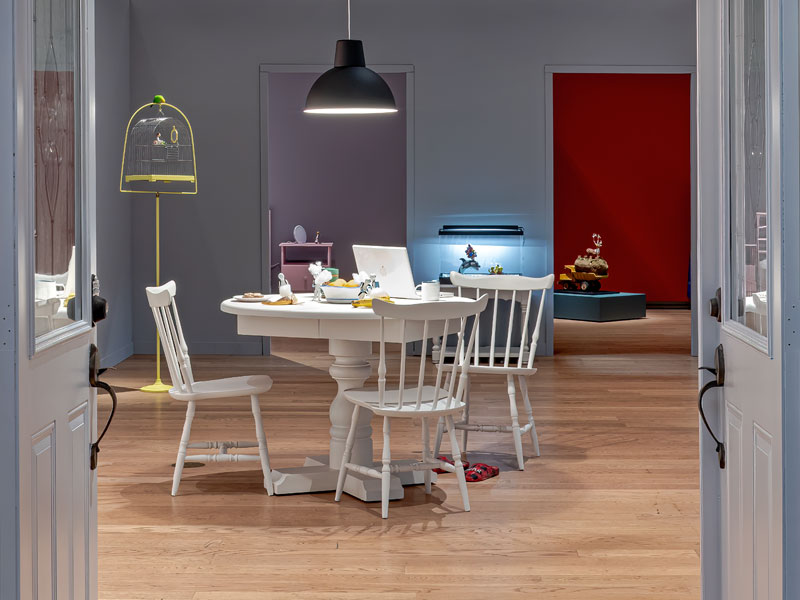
column 609, row 511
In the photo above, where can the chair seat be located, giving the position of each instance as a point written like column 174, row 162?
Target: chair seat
column 431, row 405
column 501, row 370
column 246, row 385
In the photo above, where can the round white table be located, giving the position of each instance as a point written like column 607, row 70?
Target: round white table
column 351, row 332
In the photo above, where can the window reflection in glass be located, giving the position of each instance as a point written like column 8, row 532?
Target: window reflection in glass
column 56, row 153
column 749, row 231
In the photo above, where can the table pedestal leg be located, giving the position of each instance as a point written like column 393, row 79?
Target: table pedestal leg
column 350, row 369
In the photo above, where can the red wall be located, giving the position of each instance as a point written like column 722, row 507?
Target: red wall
column 622, row 169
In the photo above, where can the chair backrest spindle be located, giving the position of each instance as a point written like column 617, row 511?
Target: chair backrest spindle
column 494, row 327
column 402, row 385
column 422, row 362
column 523, row 338
column 477, row 350
column 535, row 337
column 507, row 356
column 442, row 355
column 382, row 366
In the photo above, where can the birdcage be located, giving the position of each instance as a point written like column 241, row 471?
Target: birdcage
column 158, row 156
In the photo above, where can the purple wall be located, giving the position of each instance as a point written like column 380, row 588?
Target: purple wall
column 344, row 176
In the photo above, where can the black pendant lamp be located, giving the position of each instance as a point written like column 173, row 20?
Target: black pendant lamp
column 350, row 88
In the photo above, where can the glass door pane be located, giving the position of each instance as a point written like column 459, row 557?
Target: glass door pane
column 749, row 230
column 56, row 144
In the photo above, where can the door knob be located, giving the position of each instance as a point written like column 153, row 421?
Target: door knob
column 715, row 305
column 718, row 370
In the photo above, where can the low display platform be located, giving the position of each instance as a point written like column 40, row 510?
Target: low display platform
column 598, row 306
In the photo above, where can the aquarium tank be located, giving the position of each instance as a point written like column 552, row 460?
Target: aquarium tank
column 480, row 249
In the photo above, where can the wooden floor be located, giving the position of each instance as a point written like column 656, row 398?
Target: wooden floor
column 609, row 511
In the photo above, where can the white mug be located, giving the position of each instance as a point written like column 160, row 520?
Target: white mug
column 45, row 289
column 428, row 290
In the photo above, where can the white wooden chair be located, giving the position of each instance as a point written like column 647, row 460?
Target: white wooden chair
column 440, row 400
column 517, row 367
column 185, row 388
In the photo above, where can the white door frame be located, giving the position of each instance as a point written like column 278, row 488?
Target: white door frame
column 549, row 70
column 710, row 192
column 9, row 489
column 790, row 289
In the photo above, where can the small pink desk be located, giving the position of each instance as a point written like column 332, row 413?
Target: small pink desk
column 296, row 271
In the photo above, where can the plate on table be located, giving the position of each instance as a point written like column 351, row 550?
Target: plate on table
column 241, row 298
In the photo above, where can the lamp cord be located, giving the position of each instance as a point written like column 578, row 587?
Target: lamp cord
column 348, row 19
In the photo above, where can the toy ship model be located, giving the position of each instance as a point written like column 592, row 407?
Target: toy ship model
column 588, row 270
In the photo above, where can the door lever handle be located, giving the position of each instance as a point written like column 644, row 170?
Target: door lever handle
column 720, row 446
column 94, row 371
column 718, row 370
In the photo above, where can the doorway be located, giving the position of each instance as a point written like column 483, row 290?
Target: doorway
column 621, row 157
column 346, row 180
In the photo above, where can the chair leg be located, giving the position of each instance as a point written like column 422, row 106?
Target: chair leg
column 386, row 473
column 439, row 434
column 465, row 432
column 523, row 384
column 262, row 445
column 187, row 430
column 512, row 397
column 348, row 450
column 426, row 453
column 462, row 479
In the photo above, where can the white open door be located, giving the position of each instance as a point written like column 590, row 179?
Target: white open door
column 54, row 199
column 741, row 150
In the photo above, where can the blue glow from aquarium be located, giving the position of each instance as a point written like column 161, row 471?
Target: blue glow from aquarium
column 488, row 255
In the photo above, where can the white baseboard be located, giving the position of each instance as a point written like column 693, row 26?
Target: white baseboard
column 248, row 348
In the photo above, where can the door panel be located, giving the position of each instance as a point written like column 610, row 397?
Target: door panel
column 734, row 511
column 763, row 502
column 43, row 519
column 752, row 496
column 56, row 515
column 79, row 507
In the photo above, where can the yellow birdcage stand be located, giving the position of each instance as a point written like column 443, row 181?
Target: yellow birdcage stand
column 158, row 158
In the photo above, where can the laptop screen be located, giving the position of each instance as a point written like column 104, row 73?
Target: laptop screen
column 391, row 266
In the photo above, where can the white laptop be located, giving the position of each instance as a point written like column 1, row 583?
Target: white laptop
column 392, row 267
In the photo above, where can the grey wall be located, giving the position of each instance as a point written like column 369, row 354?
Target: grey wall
column 9, row 486
column 479, row 118
column 345, row 178
column 114, row 226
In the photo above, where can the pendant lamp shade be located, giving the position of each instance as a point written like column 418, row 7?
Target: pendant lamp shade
column 350, row 88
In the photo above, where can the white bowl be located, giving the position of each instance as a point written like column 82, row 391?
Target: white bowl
column 340, row 295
